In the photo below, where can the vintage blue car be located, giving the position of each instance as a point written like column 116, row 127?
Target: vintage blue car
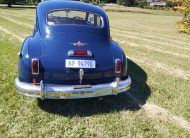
column 71, row 54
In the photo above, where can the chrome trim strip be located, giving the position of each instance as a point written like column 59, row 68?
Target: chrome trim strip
column 51, row 91
column 115, row 86
column 42, row 94
column 81, row 75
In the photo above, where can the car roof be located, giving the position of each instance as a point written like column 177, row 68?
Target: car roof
column 47, row 6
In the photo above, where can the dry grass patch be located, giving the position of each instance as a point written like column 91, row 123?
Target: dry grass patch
column 12, row 34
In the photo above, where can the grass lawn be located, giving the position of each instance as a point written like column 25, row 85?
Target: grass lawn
column 157, row 104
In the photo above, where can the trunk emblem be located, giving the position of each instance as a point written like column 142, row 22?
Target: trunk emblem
column 79, row 44
column 81, row 75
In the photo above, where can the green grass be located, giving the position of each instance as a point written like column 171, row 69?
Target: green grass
column 120, row 8
column 156, row 80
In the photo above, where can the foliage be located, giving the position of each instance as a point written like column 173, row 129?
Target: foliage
column 31, row 2
column 9, row 2
column 140, row 3
column 20, row 2
column 125, row 2
column 184, row 26
column 95, row 2
column 170, row 4
column 108, row 1
column 184, row 7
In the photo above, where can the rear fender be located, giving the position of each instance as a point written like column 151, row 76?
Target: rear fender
column 119, row 54
column 30, row 49
column 23, row 66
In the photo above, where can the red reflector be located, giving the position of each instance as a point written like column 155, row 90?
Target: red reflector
column 34, row 81
column 85, row 53
column 80, row 53
column 35, row 66
column 117, row 66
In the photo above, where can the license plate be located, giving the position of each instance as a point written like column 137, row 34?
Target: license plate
column 72, row 63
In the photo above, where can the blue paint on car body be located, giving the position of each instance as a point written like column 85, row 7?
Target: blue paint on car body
column 51, row 43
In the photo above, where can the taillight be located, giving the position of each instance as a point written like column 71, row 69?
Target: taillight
column 35, row 66
column 80, row 53
column 85, row 53
column 117, row 66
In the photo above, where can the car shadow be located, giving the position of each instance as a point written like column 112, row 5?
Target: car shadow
column 92, row 106
column 18, row 7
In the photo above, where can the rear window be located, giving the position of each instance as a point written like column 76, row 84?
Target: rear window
column 76, row 17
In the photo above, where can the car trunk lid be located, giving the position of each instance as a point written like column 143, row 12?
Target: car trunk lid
column 55, row 51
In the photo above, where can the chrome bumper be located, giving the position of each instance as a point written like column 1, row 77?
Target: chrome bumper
column 51, row 91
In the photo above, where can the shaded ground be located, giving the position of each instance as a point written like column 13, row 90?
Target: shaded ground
column 88, row 107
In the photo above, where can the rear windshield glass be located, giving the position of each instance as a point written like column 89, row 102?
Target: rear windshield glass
column 76, row 17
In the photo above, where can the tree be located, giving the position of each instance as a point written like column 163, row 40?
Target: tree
column 140, row 3
column 8, row 2
column 184, row 7
column 125, row 2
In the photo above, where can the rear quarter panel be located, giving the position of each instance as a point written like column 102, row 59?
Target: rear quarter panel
column 119, row 53
column 23, row 65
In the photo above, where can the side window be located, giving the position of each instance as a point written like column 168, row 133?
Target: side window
column 91, row 19
column 99, row 21
column 95, row 20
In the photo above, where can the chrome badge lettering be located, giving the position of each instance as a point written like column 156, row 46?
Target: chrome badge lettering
column 79, row 44
column 82, row 92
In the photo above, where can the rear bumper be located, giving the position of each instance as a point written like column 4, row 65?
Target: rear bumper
column 51, row 91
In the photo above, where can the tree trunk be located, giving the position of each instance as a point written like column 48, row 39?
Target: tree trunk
column 9, row 4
